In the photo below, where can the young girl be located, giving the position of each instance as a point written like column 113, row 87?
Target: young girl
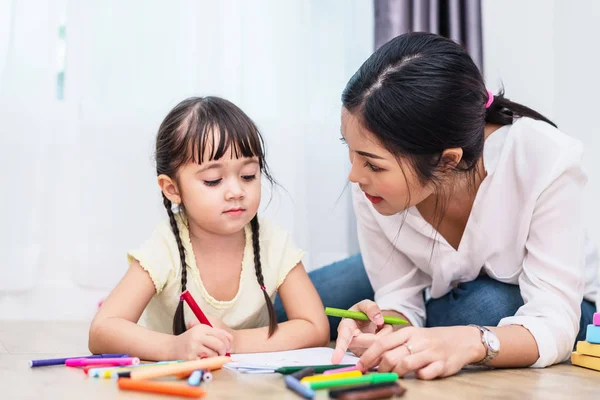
column 470, row 220
column 209, row 160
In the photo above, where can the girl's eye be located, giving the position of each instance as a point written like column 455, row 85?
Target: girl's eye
column 249, row 177
column 372, row 167
column 343, row 141
column 212, row 183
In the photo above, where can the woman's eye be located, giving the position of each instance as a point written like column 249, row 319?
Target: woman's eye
column 249, row 177
column 372, row 167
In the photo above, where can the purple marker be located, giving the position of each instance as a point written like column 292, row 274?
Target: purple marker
column 61, row 361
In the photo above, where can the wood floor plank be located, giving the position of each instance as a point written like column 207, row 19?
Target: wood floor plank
column 23, row 341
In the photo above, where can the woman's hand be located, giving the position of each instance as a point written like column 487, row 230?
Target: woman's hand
column 359, row 335
column 429, row 352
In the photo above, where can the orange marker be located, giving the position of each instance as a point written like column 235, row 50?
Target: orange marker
column 184, row 375
column 87, row 368
column 172, row 388
column 179, row 368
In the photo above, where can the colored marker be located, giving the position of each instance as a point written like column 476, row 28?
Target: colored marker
column 335, row 393
column 187, row 296
column 370, row 378
column 114, row 372
column 318, row 369
column 195, row 378
column 83, row 362
column 179, row 368
column 303, row 373
column 295, row 385
column 86, row 370
column 337, row 371
column 366, row 392
column 361, row 316
column 172, row 388
column 61, row 361
column 207, row 376
column 320, row 378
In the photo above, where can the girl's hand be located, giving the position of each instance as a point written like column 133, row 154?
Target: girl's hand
column 217, row 324
column 429, row 352
column 201, row 341
column 359, row 335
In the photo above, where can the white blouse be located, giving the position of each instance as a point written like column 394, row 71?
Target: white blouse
column 526, row 227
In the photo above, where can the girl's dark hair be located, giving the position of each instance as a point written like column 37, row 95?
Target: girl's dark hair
column 193, row 126
column 420, row 94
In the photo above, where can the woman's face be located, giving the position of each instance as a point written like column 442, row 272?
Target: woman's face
column 389, row 182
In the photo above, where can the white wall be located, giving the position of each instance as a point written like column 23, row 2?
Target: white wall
column 78, row 181
column 80, row 188
column 546, row 54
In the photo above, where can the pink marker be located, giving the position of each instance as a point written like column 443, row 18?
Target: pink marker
column 597, row 319
column 84, row 362
column 338, row 370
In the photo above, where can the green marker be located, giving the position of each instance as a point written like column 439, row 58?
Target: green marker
column 361, row 316
column 319, row 369
column 369, row 379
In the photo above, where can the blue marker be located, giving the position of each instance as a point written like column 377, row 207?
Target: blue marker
column 195, row 378
column 295, row 385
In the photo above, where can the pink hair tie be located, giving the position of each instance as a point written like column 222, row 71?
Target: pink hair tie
column 263, row 288
column 490, row 98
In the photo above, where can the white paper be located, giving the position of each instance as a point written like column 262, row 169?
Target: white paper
column 268, row 362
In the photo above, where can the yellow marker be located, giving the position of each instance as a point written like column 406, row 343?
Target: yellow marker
column 330, row 377
column 113, row 372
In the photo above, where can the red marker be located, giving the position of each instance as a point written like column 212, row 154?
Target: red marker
column 187, row 296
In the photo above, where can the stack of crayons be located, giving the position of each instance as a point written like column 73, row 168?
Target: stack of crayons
column 587, row 353
column 347, row 382
column 131, row 375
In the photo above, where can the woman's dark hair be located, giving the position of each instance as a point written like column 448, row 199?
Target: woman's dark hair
column 420, row 94
column 193, row 126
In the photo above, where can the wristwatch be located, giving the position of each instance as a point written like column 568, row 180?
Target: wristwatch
column 491, row 343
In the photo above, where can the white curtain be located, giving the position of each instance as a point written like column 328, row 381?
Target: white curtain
column 77, row 172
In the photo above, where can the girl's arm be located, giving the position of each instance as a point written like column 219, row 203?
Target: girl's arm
column 115, row 329
column 307, row 325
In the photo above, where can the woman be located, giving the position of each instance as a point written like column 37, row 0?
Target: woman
column 469, row 220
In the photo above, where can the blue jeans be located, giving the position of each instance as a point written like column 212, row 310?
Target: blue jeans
column 483, row 301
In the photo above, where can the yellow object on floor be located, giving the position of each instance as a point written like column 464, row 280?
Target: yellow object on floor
column 585, row 361
column 331, row 377
column 588, row 348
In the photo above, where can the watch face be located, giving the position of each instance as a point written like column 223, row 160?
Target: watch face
column 492, row 341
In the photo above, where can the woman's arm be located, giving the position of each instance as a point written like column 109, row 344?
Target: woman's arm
column 552, row 281
column 307, row 325
column 543, row 330
column 443, row 351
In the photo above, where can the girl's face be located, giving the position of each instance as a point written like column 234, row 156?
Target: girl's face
column 390, row 184
column 219, row 196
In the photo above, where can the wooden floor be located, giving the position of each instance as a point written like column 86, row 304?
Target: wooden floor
column 22, row 341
